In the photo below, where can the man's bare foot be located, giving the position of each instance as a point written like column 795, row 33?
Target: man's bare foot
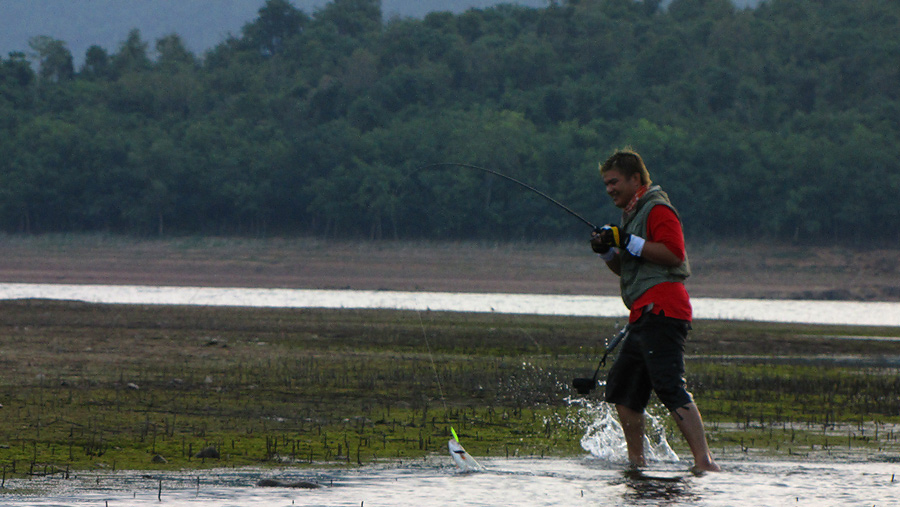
column 702, row 468
column 637, row 462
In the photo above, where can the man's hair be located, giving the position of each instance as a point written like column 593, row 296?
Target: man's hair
column 627, row 162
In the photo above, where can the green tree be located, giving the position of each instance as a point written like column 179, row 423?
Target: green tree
column 351, row 18
column 96, row 63
column 173, row 55
column 16, row 81
column 54, row 58
column 131, row 56
column 321, row 124
column 278, row 21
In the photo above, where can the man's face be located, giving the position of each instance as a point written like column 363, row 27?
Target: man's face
column 619, row 188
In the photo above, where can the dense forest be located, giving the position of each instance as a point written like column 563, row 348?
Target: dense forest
column 779, row 123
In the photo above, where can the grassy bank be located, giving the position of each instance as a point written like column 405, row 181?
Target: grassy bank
column 111, row 386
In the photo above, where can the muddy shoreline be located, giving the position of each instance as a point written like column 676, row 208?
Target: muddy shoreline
column 720, row 270
column 87, row 386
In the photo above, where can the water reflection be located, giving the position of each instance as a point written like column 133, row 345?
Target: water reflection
column 521, row 481
column 811, row 312
column 658, row 490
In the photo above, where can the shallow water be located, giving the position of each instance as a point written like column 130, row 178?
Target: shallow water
column 436, row 482
column 599, row 478
column 810, row 312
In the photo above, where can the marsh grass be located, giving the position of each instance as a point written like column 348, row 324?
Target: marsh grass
column 113, row 386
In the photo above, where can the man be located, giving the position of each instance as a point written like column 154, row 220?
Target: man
column 647, row 252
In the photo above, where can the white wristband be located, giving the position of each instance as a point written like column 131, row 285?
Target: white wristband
column 635, row 245
column 609, row 255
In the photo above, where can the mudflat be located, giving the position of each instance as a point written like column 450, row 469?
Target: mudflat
column 569, row 267
column 87, row 386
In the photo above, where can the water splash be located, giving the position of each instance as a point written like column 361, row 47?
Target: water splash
column 605, row 440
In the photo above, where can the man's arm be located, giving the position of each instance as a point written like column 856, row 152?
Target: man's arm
column 615, row 265
column 665, row 245
column 659, row 253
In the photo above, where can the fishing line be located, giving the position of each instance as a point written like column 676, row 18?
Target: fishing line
column 517, row 182
column 433, row 365
column 459, row 455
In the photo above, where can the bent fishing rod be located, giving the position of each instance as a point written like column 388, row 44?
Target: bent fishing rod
column 581, row 385
column 517, row 182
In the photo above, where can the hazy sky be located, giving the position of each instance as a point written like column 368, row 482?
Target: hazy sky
column 202, row 24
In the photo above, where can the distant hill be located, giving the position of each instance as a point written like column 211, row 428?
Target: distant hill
column 202, row 24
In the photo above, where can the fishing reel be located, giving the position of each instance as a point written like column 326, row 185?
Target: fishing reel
column 585, row 385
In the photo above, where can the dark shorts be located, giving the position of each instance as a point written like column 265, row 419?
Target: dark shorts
column 651, row 359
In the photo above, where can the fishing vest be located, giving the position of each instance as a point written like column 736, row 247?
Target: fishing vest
column 638, row 275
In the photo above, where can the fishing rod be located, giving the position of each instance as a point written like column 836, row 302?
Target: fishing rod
column 582, row 385
column 517, row 182
column 586, row 385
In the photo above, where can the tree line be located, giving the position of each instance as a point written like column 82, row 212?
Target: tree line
column 778, row 123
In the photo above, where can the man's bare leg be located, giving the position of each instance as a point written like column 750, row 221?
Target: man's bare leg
column 691, row 425
column 633, row 427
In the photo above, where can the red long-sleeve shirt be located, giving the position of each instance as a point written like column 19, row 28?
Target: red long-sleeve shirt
column 672, row 298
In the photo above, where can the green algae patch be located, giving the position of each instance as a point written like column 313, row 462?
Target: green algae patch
column 87, row 386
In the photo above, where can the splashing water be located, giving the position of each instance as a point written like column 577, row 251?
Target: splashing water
column 605, row 440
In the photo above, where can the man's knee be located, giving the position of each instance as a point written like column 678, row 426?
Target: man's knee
column 674, row 398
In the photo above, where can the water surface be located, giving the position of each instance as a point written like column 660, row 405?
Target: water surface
column 598, row 478
column 800, row 311
column 435, row 482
